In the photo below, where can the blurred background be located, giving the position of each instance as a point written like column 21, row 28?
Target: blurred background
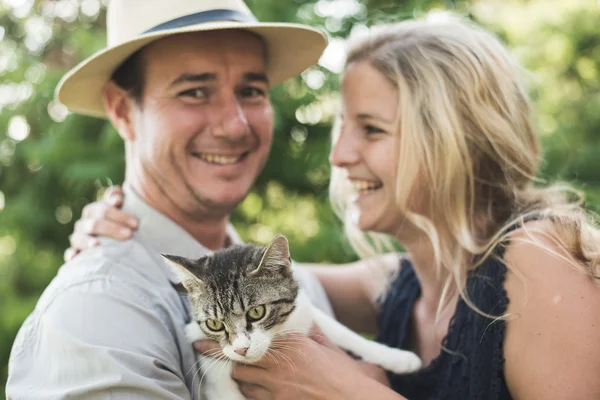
column 52, row 162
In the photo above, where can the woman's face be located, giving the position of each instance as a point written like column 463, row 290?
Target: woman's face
column 367, row 148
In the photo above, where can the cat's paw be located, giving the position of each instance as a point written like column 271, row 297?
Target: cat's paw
column 401, row 362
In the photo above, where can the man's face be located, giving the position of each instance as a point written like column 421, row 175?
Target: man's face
column 203, row 130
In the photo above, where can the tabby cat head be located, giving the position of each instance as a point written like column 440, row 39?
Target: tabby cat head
column 240, row 295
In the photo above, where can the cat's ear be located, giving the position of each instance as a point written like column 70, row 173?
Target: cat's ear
column 182, row 267
column 276, row 257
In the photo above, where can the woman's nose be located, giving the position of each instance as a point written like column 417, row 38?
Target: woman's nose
column 345, row 150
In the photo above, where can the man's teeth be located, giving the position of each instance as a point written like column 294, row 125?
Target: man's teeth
column 363, row 186
column 219, row 159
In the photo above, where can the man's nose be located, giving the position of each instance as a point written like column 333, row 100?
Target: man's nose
column 233, row 124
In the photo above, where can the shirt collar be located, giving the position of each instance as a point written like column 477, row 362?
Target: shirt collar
column 163, row 234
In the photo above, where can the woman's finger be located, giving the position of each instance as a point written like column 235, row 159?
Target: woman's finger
column 69, row 254
column 318, row 336
column 103, row 227
column 374, row 372
column 101, row 212
column 113, row 196
column 81, row 241
column 118, row 216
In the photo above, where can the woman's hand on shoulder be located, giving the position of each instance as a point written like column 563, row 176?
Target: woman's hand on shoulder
column 551, row 344
column 101, row 218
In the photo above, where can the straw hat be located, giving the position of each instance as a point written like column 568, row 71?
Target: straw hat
column 132, row 24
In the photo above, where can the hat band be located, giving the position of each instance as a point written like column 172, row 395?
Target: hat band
column 204, row 16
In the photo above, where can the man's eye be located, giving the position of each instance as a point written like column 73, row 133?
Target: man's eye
column 252, row 92
column 197, row 93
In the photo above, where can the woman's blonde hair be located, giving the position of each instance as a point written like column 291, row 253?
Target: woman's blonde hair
column 466, row 135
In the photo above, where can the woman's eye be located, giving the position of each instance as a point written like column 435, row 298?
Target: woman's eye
column 256, row 313
column 197, row 93
column 371, row 130
column 214, row 325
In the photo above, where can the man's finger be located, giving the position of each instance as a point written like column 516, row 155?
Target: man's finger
column 208, row 348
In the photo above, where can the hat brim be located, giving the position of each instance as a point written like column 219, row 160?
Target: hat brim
column 291, row 48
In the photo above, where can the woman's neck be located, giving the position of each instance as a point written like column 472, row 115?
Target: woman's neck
column 430, row 278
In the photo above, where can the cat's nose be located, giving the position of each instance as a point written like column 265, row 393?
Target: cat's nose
column 241, row 351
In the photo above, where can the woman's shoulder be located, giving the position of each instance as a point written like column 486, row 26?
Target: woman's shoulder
column 553, row 320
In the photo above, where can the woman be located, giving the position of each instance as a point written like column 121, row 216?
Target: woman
column 497, row 290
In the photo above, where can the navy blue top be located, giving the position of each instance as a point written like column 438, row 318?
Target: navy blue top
column 472, row 368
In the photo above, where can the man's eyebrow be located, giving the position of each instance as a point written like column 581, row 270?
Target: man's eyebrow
column 370, row 116
column 256, row 76
column 205, row 77
column 209, row 77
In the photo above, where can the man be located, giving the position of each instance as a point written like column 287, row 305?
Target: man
column 186, row 84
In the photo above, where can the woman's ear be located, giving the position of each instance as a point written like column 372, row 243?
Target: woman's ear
column 120, row 108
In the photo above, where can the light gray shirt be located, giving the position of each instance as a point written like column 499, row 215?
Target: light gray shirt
column 111, row 324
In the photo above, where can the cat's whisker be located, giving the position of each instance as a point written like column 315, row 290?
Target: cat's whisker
column 213, row 352
column 197, row 370
column 209, row 366
column 284, row 336
column 271, row 357
column 289, row 332
column 301, row 339
column 192, row 367
column 220, row 375
column 212, row 362
column 296, row 335
column 283, row 319
column 285, row 357
column 203, row 371
column 289, row 340
column 295, row 350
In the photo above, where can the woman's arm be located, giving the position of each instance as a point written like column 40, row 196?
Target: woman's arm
column 353, row 288
column 552, row 338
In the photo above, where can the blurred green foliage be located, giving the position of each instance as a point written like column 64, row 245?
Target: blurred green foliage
column 52, row 163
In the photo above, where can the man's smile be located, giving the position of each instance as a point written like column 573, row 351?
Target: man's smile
column 220, row 159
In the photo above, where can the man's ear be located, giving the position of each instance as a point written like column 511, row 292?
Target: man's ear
column 119, row 108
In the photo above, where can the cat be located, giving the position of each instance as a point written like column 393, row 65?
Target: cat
column 245, row 296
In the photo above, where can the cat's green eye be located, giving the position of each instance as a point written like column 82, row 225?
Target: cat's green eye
column 256, row 313
column 214, row 325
